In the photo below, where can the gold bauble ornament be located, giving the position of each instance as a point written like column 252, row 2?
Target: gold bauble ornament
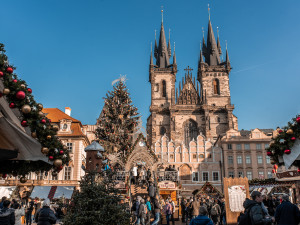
column 26, row 109
column 23, row 86
column 45, row 150
column 57, row 162
column 49, row 137
column 41, row 114
column 33, row 134
column 289, row 131
column 40, row 106
column 65, row 147
column 23, row 180
column 6, row 91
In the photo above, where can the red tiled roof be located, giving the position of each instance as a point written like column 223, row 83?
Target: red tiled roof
column 55, row 115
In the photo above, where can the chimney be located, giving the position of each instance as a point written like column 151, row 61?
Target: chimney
column 68, row 111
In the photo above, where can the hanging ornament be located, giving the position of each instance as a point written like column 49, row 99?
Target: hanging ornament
column 6, row 91
column 287, row 151
column 64, row 156
column 281, row 141
column 45, row 150
column 269, row 153
column 4, row 175
column 280, row 131
column 49, row 137
column 40, row 107
column 23, row 180
column 9, row 70
column 26, row 109
column 15, row 80
column 298, row 170
column 275, row 167
column 29, row 90
column 23, row 86
column 61, row 152
column 55, row 151
column 65, row 147
column 273, row 171
column 289, row 131
column 12, row 105
column 51, row 157
column 43, row 121
column 1, row 74
column 24, row 123
column 33, row 134
column 57, row 162
column 293, row 138
column 20, row 95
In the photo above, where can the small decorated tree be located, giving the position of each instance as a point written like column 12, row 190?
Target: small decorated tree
column 118, row 118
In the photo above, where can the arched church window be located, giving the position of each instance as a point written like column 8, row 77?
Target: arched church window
column 164, row 88
column 162, row 130
column 216, row 85
column 190, row 132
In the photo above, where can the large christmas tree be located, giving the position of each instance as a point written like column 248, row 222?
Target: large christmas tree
column 97, row 203
column 118, row 119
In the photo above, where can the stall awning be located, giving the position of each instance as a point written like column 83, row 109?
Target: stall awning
column 16, row 144
column 61, row 191
column 6, row 191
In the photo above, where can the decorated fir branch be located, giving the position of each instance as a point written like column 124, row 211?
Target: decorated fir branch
column 118, row 118
column 285, row 149
column 19, row 95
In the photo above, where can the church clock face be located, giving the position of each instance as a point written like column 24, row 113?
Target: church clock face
column 142, row 144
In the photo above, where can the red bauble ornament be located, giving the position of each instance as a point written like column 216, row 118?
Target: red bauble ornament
column 269, row 153
column 293, row 139
column 275, row 167
column 29, row 90
column 9, row 70
column 49, row 121
column 51, row 157
column 287, row 151
column 24, row 123
column 12, row 105
column 20, row 95
column 298, row 170
column 15, row 81
column 60, row 167
column 298, row 119
column 280, row 131
column 4, row 175
column 273, row 171
column 61, row 152
column 1, row 74
column 43, row 121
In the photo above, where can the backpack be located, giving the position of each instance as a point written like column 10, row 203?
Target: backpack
column 244, row 218
column 214, row 211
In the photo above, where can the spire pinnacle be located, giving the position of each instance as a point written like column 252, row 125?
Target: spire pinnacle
column 174, row 56
column 218, row 43
column 169, row 44
column 151, row 58
column 162, row 14
column 227, row 56
column 208, row 12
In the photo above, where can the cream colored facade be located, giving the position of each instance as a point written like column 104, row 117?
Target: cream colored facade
column 245, row 154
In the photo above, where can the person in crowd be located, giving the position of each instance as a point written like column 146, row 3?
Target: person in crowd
column 151, row 190
column 215, row 212
column 142, row 212
column 208, row 205
column 7, row 215
column 168, row 211
column 188, row 210
column 137, row 207
column 134, row 173
column 223, row 212
column 182, row 205
column 173, row 210
column 270, row 206
column 149, row 175
column 195, row 208
column 287, row 213
column 45, row 216
column 202, row 219
column 157, row 210
column 2, row 200
column 29, row 210
column 19, row 212
column 149, row 208
column 256, row 212
column 13, row 203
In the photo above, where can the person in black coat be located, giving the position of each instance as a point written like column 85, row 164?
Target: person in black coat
column 287, row 213
column 7, row 215
column 45, row 216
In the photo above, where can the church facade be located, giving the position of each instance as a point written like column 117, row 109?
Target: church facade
column 186, row 121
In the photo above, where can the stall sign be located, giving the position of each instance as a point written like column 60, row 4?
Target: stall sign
column 166, row 185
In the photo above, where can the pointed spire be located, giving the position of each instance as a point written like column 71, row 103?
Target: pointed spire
column 169, row 44
column 179, row 87
column 218, row 43
column 197, row 88
column 227, row 56
column 151, row 58
column 174, row 56
column 155, row 47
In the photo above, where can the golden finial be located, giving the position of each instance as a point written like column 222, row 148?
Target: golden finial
column 162, row 14
column 226, row 44
column 208, row 12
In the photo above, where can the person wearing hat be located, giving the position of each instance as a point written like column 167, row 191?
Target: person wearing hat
column 254, row 206
column 45, row 216
column 287, row 213
column 202, row 219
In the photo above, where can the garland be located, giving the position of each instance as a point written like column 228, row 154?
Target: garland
column 19, row 96
column 284, row 142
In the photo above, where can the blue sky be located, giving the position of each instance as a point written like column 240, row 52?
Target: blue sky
column 69, row 52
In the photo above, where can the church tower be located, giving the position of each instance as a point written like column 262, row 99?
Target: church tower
column 162, row 76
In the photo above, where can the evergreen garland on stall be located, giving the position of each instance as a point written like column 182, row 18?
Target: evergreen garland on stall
column 284, row 142
column 118, row 120
column 19, row 96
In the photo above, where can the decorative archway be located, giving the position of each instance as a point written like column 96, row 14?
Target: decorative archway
column 190, row 130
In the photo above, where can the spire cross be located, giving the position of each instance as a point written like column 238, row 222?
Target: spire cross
column 188, row 69
column 162, row 13
column 208, row 12
column 226, row 44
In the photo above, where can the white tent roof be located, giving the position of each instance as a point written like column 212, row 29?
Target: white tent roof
column 6, row 191
column 95, row 146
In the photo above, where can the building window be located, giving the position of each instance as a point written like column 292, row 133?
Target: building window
column 230, row 159
column 247, row 146
column 241, row 174
column 215, row 176
column 270, row 175
column 229, row 146
column 70, row 147
column 268, row 160
column 204, row 176
column 238, row 147
column 158, row 156
column 164, row 88
column 216, row 85
column 239, row 159
column 248, row 159
column 261, row 175
column 67, row 173
column 209, row 155
column 258, row 146
column 156, row 87
column 172, row 156
column 259, row 159
column 249, row 175
column 195, row 176
column 231, row 174
column 40, row 176
column 267, row 146
column 162, row 130
column 201, row 156
column 190, row 132
column 194, row 156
